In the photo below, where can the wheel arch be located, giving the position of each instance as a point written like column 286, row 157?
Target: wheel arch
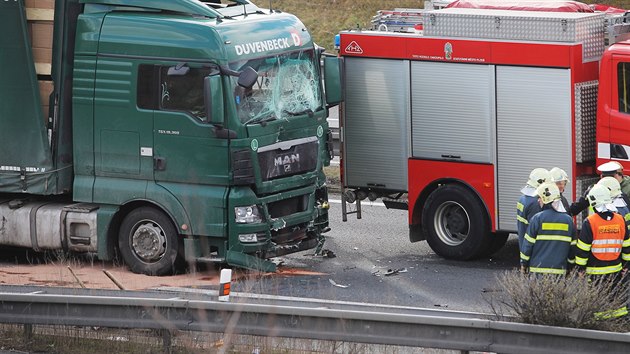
column 416, row 232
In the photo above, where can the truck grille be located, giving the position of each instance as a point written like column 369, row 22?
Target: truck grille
column 287, row 206
column 288, row 158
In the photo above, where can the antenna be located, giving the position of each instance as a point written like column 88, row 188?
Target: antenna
column 245, row 9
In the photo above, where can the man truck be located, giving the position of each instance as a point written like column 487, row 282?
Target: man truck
column 449, row 119
column 163, row 131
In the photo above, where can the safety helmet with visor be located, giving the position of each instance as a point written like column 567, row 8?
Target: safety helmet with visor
column 537, row 177
column 548, row 192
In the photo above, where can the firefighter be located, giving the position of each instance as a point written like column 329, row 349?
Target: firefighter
column 560, row 178
column 547, row 244
column 615, row 169
column 608, row 169
column 617, row 197
column 527, row 205
column 603, row 246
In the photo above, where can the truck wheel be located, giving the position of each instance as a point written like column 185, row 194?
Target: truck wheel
column 456, row 223
column 497, row 241
column 148, row 242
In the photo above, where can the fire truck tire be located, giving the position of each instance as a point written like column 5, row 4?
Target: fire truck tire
column 497, row 241
column 148, row 242
column 456, row 223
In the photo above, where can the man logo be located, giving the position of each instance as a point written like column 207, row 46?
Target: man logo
column 286, row 161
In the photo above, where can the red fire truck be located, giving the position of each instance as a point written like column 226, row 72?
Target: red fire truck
column 449, row 122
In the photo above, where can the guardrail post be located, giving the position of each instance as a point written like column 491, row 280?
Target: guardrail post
column 28, row 333
column 167, row 341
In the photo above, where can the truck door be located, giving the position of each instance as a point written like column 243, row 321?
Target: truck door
column 620, row 112
column 121, row 134
column 186, row 149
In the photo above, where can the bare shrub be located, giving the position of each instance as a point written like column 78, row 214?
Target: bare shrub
column 564, row 301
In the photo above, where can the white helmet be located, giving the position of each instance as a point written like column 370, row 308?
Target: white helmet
column 537, row 177
column 599, row 195
column 612, row 184
column 548, row 192
column 558, row 175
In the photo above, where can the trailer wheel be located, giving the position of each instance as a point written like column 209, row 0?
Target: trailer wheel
column 456, row 224
column 148, row 242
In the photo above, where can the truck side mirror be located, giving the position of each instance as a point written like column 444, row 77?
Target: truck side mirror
column 247, row 78
column 332, row 80
column 213, row 97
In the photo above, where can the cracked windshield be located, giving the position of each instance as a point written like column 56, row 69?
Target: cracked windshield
column 287, row 86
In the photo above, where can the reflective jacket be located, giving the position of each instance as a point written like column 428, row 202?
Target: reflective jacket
column 547, row 246
column 603, row 246
column 526, row 208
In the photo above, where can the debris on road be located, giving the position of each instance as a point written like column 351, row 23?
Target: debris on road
column 440, row 305
column 337, row 285
column 395, row 271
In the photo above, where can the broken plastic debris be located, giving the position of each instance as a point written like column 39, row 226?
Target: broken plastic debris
column 395, row 271
column 328, row 254
column 337, row 285
column 441, row 305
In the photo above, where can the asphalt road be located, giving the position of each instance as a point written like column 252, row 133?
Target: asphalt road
column 367, row 249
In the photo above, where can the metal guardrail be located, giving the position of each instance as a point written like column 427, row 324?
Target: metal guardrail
column 369, row 325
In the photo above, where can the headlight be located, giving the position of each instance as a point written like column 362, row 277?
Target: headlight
column 248, row 238
column 248, row 215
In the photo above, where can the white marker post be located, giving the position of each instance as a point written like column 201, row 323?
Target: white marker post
column 225, row 282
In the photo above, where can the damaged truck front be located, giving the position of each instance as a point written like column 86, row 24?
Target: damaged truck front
column 198, row 133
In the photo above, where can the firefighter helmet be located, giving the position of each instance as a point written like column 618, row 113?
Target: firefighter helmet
column 537, row 177
column 599, row 195
column 612, row 184
column 558, row 175
column 548, row 192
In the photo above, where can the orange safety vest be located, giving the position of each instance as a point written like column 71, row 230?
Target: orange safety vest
column 608, row 236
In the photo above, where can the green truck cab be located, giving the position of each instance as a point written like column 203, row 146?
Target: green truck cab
column 177, row 131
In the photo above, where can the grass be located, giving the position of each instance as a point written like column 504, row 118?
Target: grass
column 326, row 18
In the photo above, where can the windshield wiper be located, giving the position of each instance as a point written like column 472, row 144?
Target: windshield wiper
column 294, row 114
column 261, row 119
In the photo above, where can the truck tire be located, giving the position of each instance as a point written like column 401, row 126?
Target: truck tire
column 497, row 241
column 456, row 223
column 148, row 242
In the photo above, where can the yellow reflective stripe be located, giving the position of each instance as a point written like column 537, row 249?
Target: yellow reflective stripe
column 524, row 257
column 554, row 238
column 626, row 217
column 603, row 270
column 571, row 261
column 530, row 239
column 547, row 270
column 626, row 243
column 555, row 226
column 606, row 315
column 522, row 219
column 520, row 206
column 583, row 246
column 625, row 257
column 573, row 242
column 580, row 261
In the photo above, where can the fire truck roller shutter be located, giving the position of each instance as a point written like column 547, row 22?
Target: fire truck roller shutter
column 375, row 130
column 534, row 117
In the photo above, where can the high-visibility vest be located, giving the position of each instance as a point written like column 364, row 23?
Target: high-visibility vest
column 608, row 236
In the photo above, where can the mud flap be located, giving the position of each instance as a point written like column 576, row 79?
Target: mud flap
column 243, row 260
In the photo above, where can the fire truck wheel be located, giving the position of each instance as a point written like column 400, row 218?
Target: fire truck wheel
column 497, row 241
column 148, row 242
column 456, row 223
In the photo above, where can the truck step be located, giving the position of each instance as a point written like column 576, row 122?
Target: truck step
column 402, row 204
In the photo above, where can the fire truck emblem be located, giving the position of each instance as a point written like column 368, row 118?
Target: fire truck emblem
column 354, row 48
column 448, row 51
